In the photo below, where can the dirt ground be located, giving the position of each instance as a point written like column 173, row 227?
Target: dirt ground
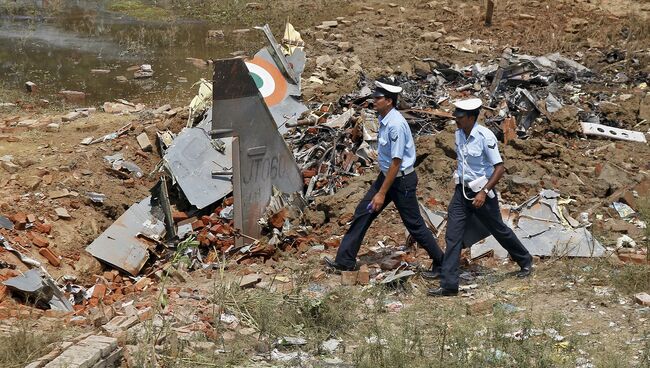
column 589, row 302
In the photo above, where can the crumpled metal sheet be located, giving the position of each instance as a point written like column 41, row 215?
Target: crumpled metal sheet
column 39, row 287
column 191, row 159
column 121, row 245
column 542, row 232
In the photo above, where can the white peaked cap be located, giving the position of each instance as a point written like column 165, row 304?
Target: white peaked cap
column 468, row 104
column 388, row 87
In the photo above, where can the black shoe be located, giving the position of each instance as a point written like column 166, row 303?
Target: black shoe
column 524, row 272
column 442, row 292
column 338, row 267
column 430, row 275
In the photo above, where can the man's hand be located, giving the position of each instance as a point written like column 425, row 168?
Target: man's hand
column 377, row 202
column 479, row 199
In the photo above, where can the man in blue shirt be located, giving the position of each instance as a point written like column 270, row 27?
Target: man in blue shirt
column 479, row 169
column 396, row 183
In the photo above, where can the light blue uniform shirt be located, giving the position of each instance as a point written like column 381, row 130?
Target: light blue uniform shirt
column 395, row 141
column 477, row 154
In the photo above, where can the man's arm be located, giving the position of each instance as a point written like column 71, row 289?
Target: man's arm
column 479, row 199
column 379, row 198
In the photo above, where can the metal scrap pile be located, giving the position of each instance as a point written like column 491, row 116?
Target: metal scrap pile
column 521, row 93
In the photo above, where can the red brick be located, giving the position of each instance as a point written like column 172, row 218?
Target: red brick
column 4, row 312
column 39, row 241
column 363, row 278
column 99, row 291
column 20, row 220
column 634, row 258
column 109, row 276
column 198, row 224
column 43, row 228
column 56, row 313
column 51, row 257
column 142, row 283
column 179, row 216
column 3, row 292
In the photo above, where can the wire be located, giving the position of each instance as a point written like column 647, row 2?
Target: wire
column 462, row 178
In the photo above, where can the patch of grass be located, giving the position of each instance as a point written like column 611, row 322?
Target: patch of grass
column 450, row 339
column 25, row 344
column 140, row 10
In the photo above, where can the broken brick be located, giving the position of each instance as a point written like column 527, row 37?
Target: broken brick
column 277, row 220
column 50, row 256
column 39, row 241
column 99, row 291
column 363, row 278
column 3, row 292
column 634, row 258
column 198, row 224
column 349, row 278
column 43, row 228
column 178, row 216
column 142, row 283
column 109, row 276
column 20, row 221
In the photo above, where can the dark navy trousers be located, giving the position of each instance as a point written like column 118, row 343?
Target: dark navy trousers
column 402, row 192
column 458, row 213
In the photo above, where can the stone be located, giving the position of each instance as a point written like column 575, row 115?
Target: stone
column 421, row 68
column 99, row 71
column 323, row 61
column 643, row 299
column 72, row 96
column 62, row 213
column 52, row 127
column 27, row 123
column 345, row 46
column 9, row 166
column 249, row 281
column 72, row 116
column 121, row 79
column 31, row 87
column 144, row 142
column 162, row 109
column 330, row 24
column 480, row 306
column 430, row 36
column 120, row 324
column 216, row 33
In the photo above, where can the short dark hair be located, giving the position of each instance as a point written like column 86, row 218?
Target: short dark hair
column 475, row 113
column 393, row 97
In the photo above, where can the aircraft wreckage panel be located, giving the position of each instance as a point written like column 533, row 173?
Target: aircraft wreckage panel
column 261, row 158
column 542, row 233
column 192, row 158
column 121, row 246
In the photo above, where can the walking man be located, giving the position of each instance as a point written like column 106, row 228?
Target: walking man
column 479, row 169
column 396, row 183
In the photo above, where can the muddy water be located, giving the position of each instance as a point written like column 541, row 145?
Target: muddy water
column 59, row 51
